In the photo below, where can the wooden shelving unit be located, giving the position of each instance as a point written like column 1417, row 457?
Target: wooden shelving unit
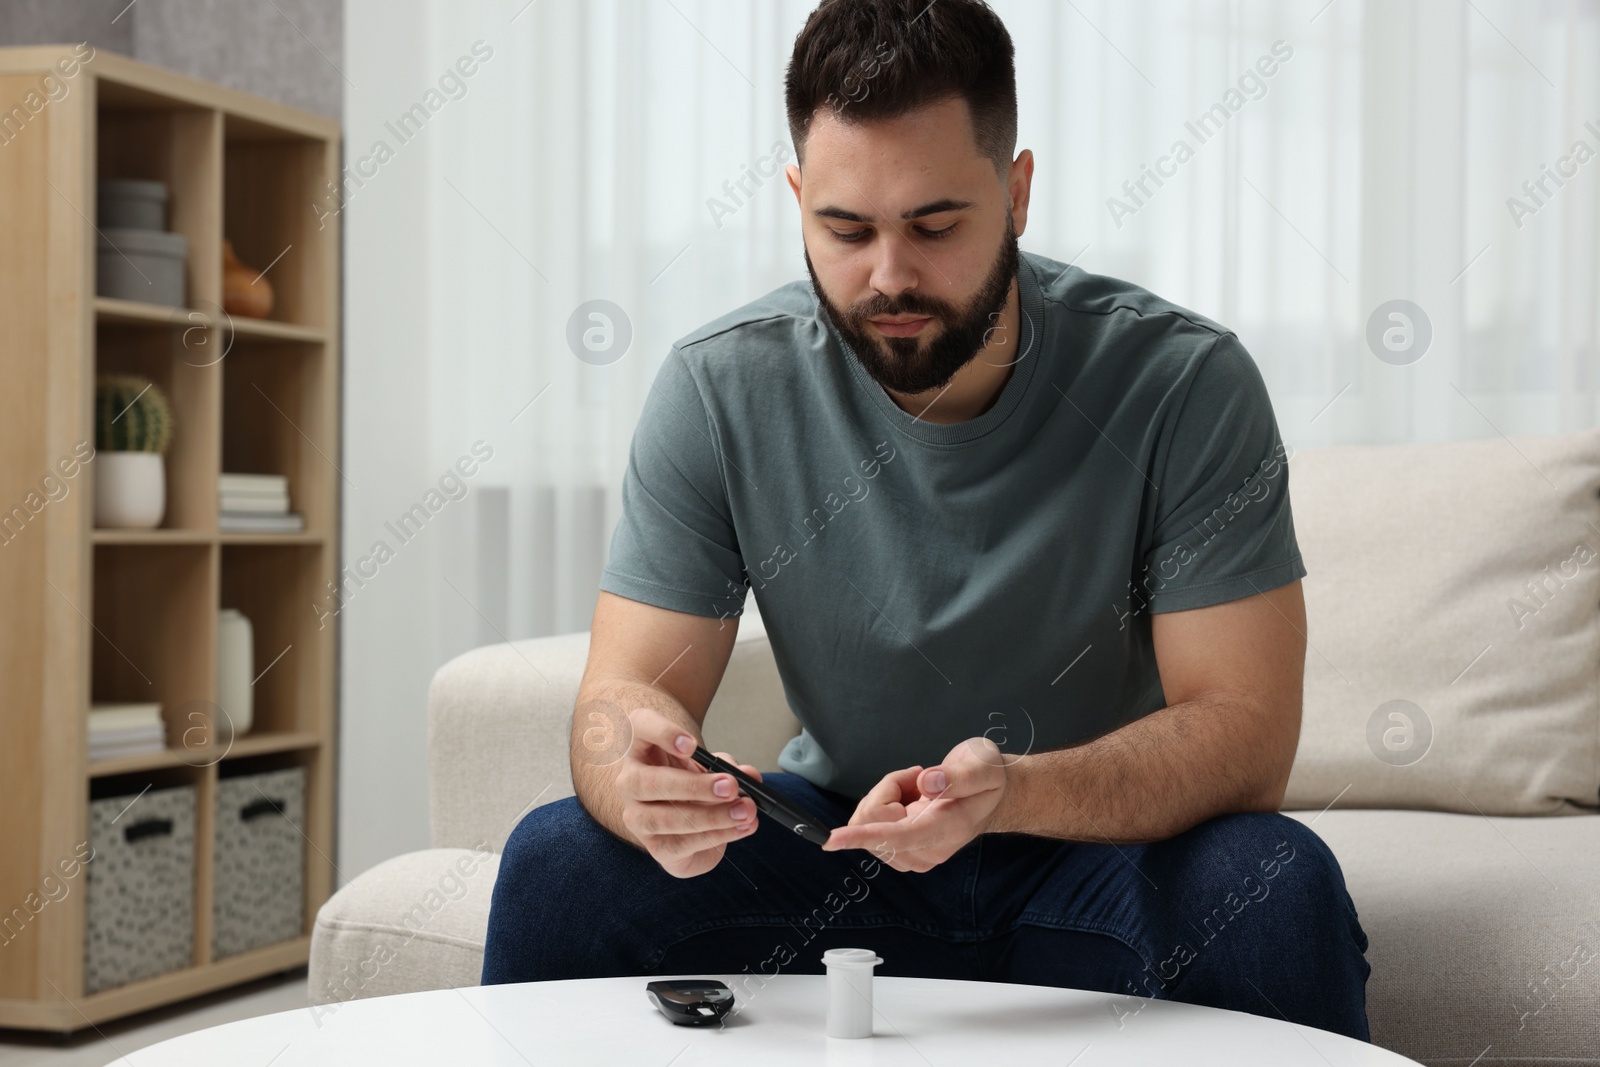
column 89, row 614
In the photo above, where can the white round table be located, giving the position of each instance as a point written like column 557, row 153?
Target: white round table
column 917, row 1021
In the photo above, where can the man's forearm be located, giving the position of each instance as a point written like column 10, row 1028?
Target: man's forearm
column 600, row 738
column 1154, row 777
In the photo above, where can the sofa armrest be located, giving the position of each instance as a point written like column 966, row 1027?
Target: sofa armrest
column 499, row 718
column 414, row 922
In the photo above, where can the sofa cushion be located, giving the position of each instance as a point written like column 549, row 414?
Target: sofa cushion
column 414, row 922
column 1484, row 940
column 1453, row 634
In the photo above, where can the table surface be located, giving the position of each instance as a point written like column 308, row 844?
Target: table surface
column 775, row 1021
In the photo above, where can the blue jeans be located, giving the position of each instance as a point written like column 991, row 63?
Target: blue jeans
column 1244, row 911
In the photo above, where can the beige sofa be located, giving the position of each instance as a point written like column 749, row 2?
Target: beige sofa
column 1483, row 913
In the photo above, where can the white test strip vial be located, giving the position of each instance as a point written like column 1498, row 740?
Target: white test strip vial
column 850, row 990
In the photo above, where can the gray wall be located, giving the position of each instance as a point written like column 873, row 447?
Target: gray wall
column 287, row 50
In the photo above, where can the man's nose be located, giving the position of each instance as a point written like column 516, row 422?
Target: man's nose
column 895, row 269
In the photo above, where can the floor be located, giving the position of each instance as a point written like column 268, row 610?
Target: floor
column 115, row 1040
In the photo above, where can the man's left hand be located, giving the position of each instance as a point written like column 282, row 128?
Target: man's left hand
column 916, row 818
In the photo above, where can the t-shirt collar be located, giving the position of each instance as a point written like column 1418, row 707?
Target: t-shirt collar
column 1030, row 343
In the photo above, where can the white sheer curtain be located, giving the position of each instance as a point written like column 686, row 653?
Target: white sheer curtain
column 1374, row 163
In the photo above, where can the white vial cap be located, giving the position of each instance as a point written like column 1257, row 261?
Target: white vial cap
column 860, row 957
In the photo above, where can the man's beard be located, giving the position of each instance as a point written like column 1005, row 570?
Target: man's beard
column 914, row 364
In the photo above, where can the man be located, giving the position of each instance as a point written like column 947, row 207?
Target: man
column 1022, row 541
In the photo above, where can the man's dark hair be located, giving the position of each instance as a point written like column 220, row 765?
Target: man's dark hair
column 880, row 59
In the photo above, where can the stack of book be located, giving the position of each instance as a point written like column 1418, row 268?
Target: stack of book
column 125, row 730
column 257, row 503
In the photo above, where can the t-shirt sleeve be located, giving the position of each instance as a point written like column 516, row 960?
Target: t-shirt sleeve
column 675, row 544
column 1223, row 528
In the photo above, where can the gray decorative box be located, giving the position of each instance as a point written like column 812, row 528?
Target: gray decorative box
column 126, row 204
column 145, row 265
column 141, row 887
column 260, row 861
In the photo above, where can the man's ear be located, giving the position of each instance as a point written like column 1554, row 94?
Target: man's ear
column 792, row 173
column 1019, row 188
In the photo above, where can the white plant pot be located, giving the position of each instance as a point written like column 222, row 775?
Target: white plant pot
column 235, row 663
column 130, row 489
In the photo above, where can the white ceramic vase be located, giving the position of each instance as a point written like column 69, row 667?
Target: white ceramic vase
column 235, row 662
column 130, row 489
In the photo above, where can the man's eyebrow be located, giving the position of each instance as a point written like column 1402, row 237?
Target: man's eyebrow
column 934, row 208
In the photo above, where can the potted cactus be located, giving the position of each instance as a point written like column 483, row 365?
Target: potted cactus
column 132, row 427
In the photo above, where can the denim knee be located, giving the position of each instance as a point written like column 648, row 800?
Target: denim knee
column 559, row 865
column 539, row 852
column 1261, row 922
column 1236, row 863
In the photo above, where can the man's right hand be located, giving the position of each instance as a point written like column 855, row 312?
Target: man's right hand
column 682, row 814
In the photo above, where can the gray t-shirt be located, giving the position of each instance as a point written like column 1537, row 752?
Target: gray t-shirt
column 925, row 583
